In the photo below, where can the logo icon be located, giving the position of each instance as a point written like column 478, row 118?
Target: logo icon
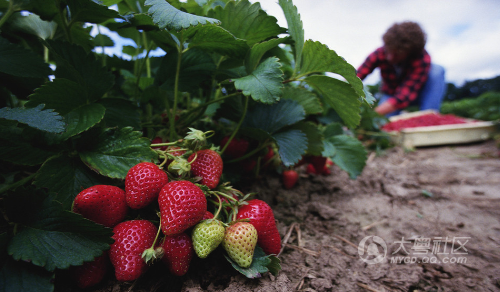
column 372, row 249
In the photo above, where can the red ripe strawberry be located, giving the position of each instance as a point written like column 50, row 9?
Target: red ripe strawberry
column 102, row 204
column 248, row 164
column 236, row 148
column 131, row 239
column 208, row 165
column 158, row 140
column 290, row 178
column 182, row 205
column 178, row 253
column 310, row 169
column 208, row 215
column 269, row 154
column 91, row 273
column 143, row 184
column 262, row 218
column 318, row 162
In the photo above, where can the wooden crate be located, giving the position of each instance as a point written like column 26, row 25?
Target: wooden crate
column 441, row 135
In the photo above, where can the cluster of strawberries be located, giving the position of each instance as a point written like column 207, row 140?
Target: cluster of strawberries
column 183, row 195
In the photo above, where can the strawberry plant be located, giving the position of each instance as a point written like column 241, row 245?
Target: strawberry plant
column 72, row 117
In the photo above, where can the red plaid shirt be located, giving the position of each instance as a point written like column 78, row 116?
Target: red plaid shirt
column 403, row 86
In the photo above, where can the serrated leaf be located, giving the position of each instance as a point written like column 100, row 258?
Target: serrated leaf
column 54, row 238
column 102, row 40
column 14, row 148
column 34, row 25
column 167, row 16
column 90, row 11
column 264, row 84
column 350, row 154
column 314, row 137
column 340, row 96
column 318, row 58
column 215, row 39
column 47, row 10
column 257, row 51
column 18, row 61
column 62, row 95
column 308, row 100
column 24, row 277
column 82, row 118
column 66, row 177
column 45, row 120
column 272, row 118
column 113, row 153
column 295, row 28
column 292, row 146
column 121, row 113
column 75, row 64
column 196, row 66
column 261, row 263
column 247, row 21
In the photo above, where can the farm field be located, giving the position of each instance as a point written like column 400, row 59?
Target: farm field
column 448, row 192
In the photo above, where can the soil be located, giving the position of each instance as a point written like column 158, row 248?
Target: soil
column 436, row 209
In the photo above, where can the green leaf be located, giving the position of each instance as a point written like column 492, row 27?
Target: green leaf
column 82, row 118
column 102, row 40
column 61, row 95
column 308, row 100
column 75, row 64
column 66, row 177
column 196, row 66
column 16, row 149
column 333, row 129
column 18, row 61
column 113, row 153
column 247, row 21
column 215, row 39
column 292, row 146
column 167, row 16
column 350, row 154
column 47, row 10
column 261, row 263
column 265, row 83
column 340, row 96
column 314, row 137
column 121, row 113
column 318, row 58
column 90, row 11
column 34, row 25
column 272, row 118
column 257, row 51
column 45, row 120
column 21, row 276
column 295, row 28
column 53, row 238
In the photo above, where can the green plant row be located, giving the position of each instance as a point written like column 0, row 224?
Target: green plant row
column 71, row 118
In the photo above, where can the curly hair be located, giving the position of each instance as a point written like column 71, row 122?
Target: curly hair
column 407, row 36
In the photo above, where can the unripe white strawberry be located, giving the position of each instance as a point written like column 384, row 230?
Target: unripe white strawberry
column 239, row 242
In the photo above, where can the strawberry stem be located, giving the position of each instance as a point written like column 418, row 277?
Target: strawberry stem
column 220, row 206
column 245, row 109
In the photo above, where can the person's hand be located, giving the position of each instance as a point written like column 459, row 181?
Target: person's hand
column 385, row 108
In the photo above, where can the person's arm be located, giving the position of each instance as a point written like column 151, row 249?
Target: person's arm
column 385, row 108
column 371, row 62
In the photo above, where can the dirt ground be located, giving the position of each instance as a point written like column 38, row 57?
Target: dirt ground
column 432, row 216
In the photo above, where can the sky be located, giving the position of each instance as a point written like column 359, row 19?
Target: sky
column 462, row 35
